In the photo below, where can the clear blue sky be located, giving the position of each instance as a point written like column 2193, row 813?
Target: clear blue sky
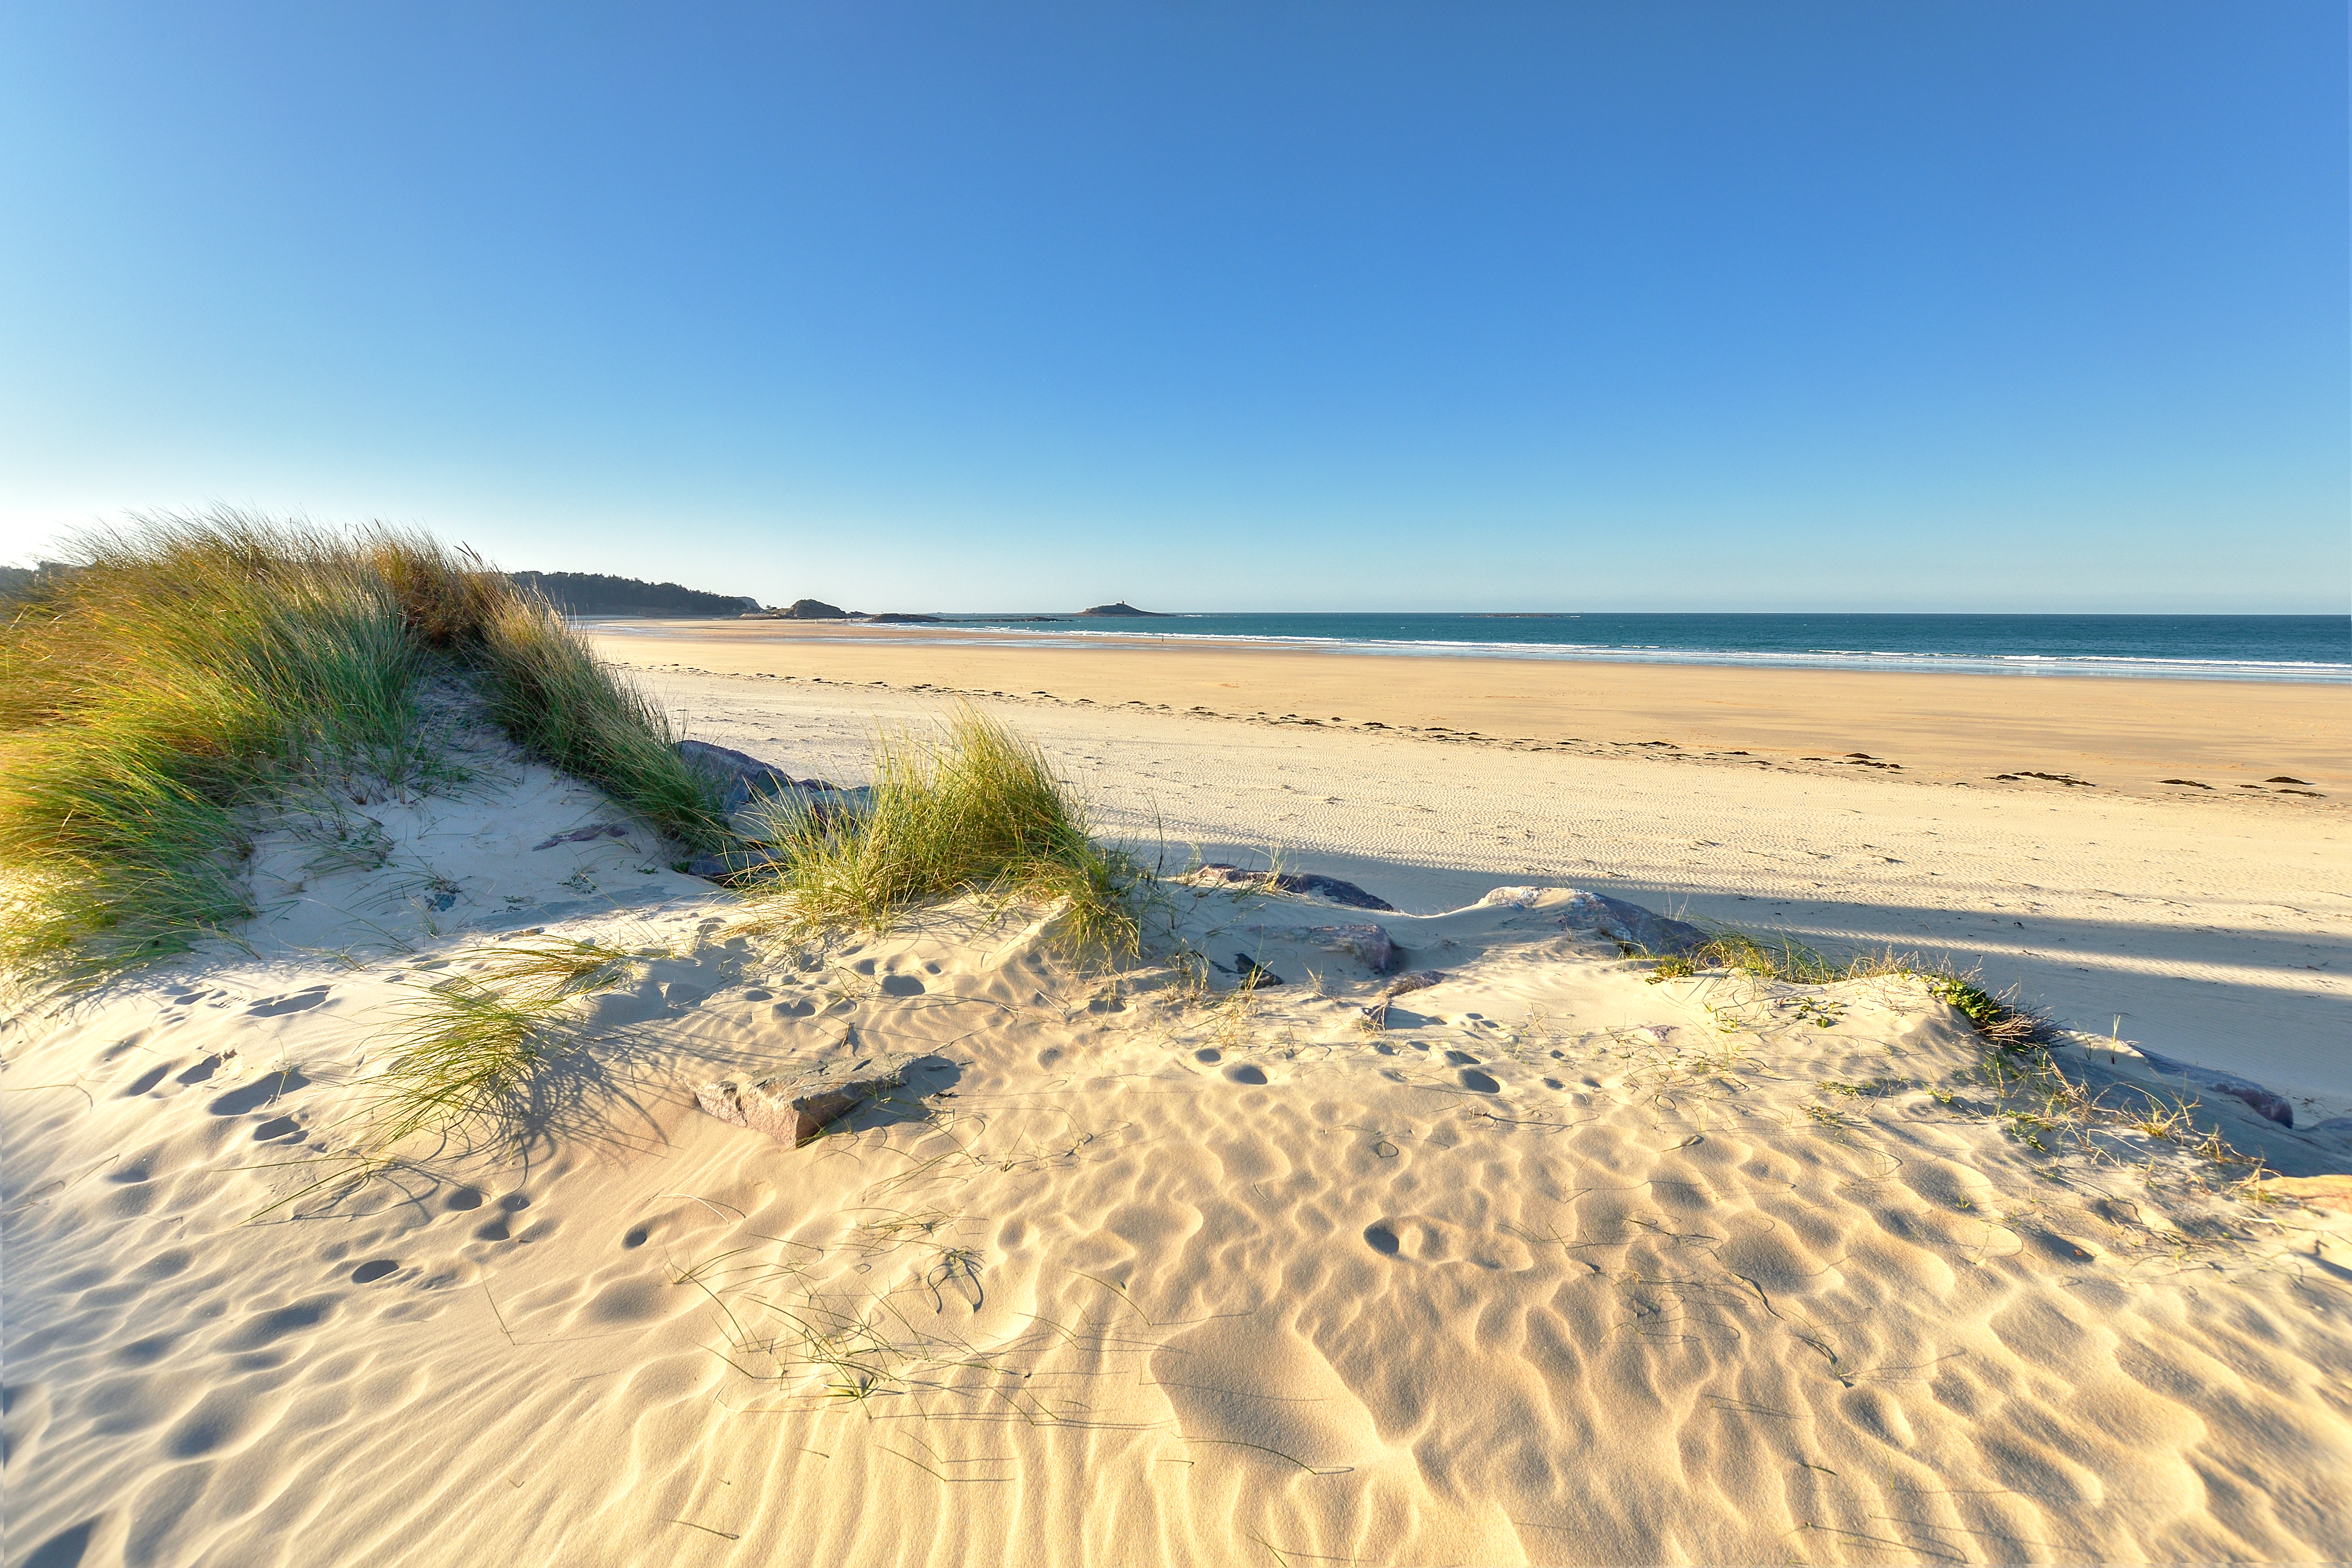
column 1209, row 304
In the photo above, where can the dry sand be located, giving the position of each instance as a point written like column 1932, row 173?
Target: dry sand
column 2211, row 926
column 1560, row 1266
column 2126, row 735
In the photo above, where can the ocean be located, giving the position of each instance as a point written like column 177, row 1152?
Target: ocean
column 2212, row 648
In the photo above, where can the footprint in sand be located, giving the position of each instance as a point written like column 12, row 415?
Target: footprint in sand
column 145, row 1082
column 299, row 1001
column 1422, row 1239
column 497, row 1229
column 258, row 1093
column 1222, row 1379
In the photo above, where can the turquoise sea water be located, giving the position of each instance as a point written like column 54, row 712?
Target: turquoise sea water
column 2227, row 647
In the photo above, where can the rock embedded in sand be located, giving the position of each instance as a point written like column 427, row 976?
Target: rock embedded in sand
column 1370, row 942
column 1313, row 885
column 1620, row 921
column 1255, row 975
column 584, row 835
column 1419, row 980
column 727, row 865
column 795, row 1110
column 2265, row 1103
column 759, row 798
column 737, row 774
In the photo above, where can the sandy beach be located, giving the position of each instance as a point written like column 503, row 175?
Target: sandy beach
column 1177, row 786
column 2213, row 925
column 1320, row 1231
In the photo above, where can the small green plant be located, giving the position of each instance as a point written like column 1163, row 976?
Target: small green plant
column 1998, row 1020
column 972, row 809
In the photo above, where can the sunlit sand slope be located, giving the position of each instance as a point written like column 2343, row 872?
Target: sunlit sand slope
column 1558, row 1266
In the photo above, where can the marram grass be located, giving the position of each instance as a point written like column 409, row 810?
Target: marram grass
column 191, row 672
column 969, row 809
column 467, row 1052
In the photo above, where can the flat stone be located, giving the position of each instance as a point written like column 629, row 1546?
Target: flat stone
column 794, row 1110
column 584, row 835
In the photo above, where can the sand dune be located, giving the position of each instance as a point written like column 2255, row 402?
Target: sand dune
column 1558, row 1266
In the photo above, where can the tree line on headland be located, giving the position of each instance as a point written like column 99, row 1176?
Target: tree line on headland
column 597, row 594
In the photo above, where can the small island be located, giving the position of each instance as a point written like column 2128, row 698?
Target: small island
column 1120, row 608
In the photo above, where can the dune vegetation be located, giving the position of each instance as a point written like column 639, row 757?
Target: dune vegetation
column 972, row 809
column 1781, row 957
column 189, row 674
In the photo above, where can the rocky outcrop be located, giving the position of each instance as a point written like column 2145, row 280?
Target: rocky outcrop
column 894, row 618
column 1120, row 608
column 796, row 1110
column 761, row 802
column 737, row 774
column 813, row 610
column 1330, row 889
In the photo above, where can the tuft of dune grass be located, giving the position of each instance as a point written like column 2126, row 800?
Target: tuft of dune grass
column 191, row 671
column 972, row 808
column 466, row 1052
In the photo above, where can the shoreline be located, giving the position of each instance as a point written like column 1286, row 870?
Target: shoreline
column 1078, row 631
column 2117, row 736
